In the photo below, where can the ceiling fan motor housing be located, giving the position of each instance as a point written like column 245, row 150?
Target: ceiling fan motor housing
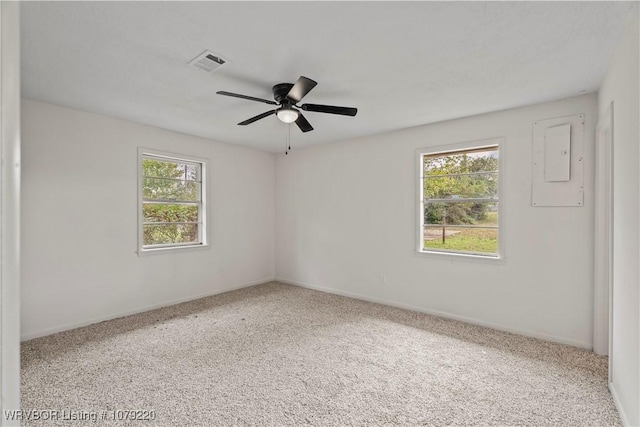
column 280, row 92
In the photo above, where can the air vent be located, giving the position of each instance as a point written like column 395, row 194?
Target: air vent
column 207, row 61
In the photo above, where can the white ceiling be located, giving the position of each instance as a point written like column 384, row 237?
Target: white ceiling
column 402, row 64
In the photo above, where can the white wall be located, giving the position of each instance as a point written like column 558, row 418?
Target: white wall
column 345, row 215
column 621, row 87
column 9, row 209
column 79, row 219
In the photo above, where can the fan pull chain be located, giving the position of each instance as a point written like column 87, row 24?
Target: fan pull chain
column 288, row 139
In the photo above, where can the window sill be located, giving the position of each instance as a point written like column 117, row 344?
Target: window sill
column 171, row 249
column 452, row 256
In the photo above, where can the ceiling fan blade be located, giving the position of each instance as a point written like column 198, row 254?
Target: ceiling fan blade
column 344, row 111
column 303, row 124
column 302, row 87
column 250, row 98
column 256, row 118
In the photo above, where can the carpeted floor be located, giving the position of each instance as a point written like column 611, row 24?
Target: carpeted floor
column 276, row 354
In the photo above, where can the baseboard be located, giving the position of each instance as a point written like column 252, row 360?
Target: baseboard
column 94, row 320
column 527, row 333
column 616, row 400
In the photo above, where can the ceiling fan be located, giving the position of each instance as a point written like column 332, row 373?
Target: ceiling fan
column 287, row 96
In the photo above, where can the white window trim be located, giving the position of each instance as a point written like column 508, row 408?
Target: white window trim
column 419, row 227
column 204, row 211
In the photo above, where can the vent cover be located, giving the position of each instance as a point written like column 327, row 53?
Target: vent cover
column 207, row 61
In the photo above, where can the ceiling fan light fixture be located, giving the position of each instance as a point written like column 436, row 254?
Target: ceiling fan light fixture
column 287, row 114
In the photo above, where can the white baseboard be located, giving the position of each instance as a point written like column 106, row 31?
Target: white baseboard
column 616, row 400
column 66, row 327
column 527, row 333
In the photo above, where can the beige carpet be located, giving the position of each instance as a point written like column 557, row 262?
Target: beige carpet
column 276, row 354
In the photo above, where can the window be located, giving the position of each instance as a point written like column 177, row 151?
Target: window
column 459, row 203
column 172, row 202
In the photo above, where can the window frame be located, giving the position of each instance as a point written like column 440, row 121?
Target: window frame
column 419, row 228
column 203, row 216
